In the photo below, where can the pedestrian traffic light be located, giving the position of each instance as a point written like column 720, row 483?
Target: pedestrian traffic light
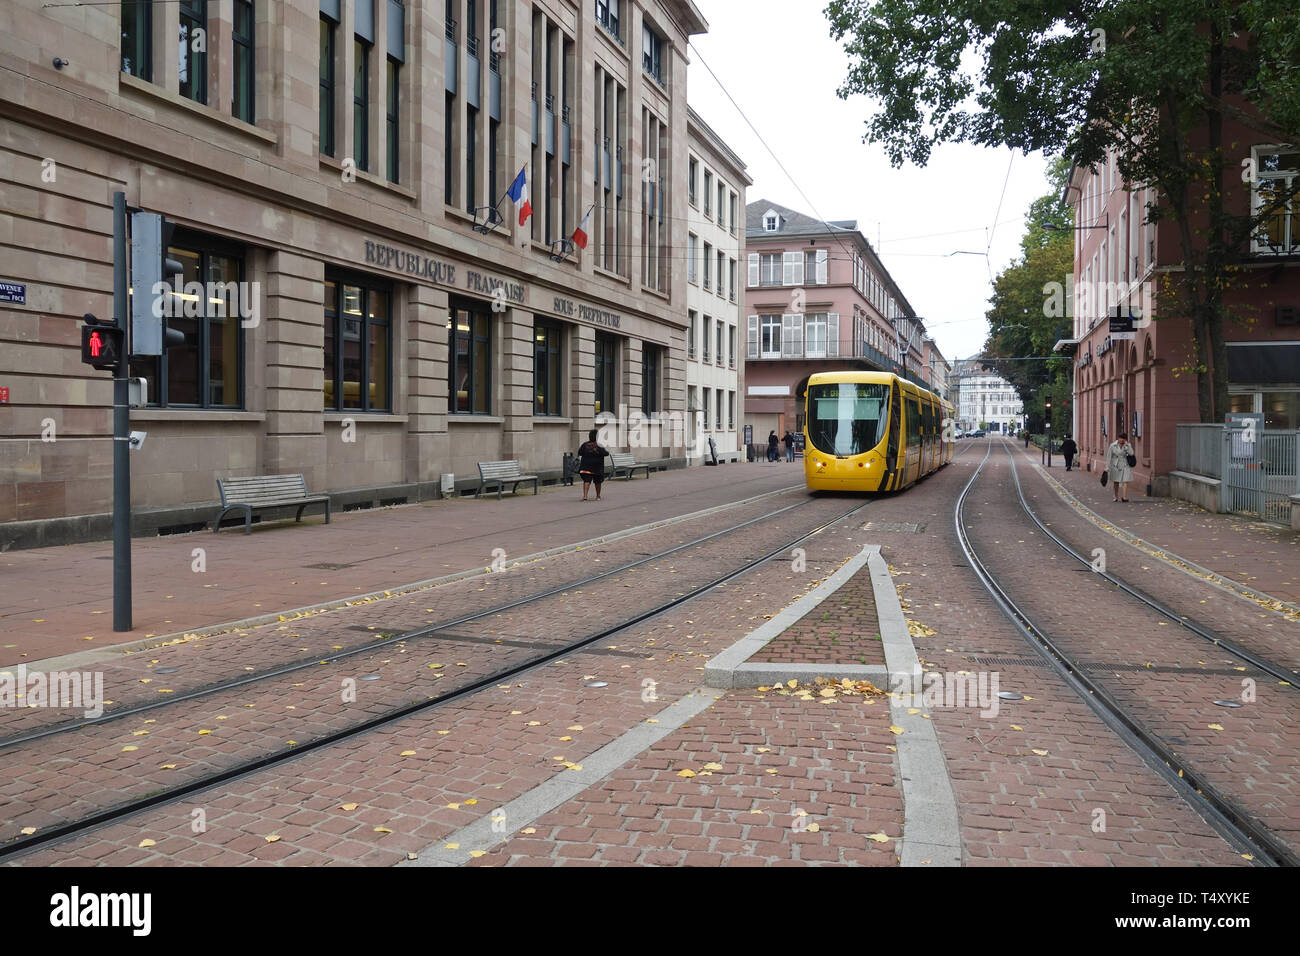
column 151, row 272
column 102, row 344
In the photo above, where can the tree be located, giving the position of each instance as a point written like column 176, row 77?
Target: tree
column 1155, row 81
column 1023, row 327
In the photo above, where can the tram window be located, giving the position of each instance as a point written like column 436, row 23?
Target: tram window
column 847, row 418
column 913, row 422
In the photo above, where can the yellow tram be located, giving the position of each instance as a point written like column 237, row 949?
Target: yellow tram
column 872, row 431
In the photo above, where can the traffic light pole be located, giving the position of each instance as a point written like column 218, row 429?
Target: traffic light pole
column 121, row 429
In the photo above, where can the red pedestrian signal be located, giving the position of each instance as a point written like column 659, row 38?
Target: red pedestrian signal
column 101, row 346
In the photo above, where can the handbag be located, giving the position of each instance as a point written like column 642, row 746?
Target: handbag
column 1105, row 477
column 1132, row 461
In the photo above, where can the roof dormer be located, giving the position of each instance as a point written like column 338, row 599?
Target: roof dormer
column 771, row 221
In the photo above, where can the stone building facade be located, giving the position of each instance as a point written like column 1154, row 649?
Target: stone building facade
column 343, row 166
column 715, row 293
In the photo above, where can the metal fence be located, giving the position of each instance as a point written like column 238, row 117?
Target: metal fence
column 1200, row 450
column 1260, row 471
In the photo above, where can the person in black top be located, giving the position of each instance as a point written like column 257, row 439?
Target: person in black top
column 1069, row 449
column 772, row 441
column 788, row 439
column 591, row 464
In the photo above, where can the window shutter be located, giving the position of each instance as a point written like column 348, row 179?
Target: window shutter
column 833, row 335
column 787, row 268
column 822, row 255
column 798, row 268
column 753, row 269
column 753, row 336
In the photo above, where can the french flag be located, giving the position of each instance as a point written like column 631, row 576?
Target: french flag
column 580, row 234
column 518, row 193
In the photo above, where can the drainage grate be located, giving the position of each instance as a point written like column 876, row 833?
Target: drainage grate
column 1018, row 661
column 1157, row 669
column 902, row 527
column 327, row 567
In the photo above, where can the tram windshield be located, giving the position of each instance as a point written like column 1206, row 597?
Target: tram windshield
column 847, row 418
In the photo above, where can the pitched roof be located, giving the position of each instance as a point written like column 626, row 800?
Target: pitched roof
column 793, row 223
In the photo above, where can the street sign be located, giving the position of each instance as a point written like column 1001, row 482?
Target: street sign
column 1121, row 326
column 13, row 292
column 4, row 394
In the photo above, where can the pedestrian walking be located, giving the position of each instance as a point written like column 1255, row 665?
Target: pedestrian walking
column 789, row 446
column 591, row 464
column 1119, row 463
column 771, row 445
column 1026, row 437
column 1068, row 450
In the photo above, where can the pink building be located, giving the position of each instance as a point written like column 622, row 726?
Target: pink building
column 1139, row 385
column 819, row 299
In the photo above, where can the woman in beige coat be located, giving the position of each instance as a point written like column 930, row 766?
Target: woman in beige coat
column 1121, row 473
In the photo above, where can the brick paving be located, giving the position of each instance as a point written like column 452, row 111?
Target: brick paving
column 1258, row 554
column 59, row 600
column 1041, row 782
column 1164, row 675
column 841, row 630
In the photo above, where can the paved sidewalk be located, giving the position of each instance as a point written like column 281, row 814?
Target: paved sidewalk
column 56, row 601
column 1262, row 556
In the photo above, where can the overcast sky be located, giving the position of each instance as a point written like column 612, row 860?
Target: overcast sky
column 777, row 59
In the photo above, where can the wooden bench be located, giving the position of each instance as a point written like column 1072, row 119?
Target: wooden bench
column 625, row 461
column 262, row 492
column 501, row 473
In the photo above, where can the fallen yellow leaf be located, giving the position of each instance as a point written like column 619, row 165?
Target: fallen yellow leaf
column 471, row 801
column 813, row 827
column 407, row 753
column 348, row 806
column 451, row 846
column 382, row 830
column 878, row 837
column 685, row 773
column 1216, row 726
column 528, row 830
column 1041, row 753
column 273, row 838
column 895, row 729
column 477, row 853
column 713, row 766
column 146, row 843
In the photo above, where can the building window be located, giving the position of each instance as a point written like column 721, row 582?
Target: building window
column 770, row 223
column 731, row 333
column 770, row 343
column 1277, row 172
column 137, row 38
column 548, row 369
column 469, row 358
column 708, row 266
column 770, row 269
column 606, row 373
column 193, row 58
column 652, row 53
column 693, row 174
column 358, row 344
column 207, row 370
column 722, row 272
column 815, row 335
column 393, row 142
column 721, row 329
column 733, row 215
column 650, row 366
column 607, row 16
column 708, row 336
column 327, row 28
column 692, row 260
column 361, row 104
column 449, row 151
column 708, row 194
column 241, row 36
column 717, row 410
column 731, row 294
column 722, row 202
column 731, row 409
column 706, row 392
column 690, row 335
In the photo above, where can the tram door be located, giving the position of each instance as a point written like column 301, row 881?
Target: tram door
column 888, row 480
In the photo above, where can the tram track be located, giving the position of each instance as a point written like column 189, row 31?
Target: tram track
column 1228, row 814
column 70, row 828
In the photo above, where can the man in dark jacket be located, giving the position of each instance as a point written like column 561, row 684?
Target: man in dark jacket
column 1068, row 450
column 789, row 446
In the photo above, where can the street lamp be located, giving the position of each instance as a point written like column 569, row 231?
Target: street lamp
column 1049, row 433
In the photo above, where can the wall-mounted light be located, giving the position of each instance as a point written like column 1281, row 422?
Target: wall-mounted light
column 60, row 62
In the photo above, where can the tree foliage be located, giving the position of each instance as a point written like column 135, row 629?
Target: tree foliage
column 1154, row 81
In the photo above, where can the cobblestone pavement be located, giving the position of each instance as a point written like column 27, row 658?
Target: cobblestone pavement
column 59, row 600
column 758, row 777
